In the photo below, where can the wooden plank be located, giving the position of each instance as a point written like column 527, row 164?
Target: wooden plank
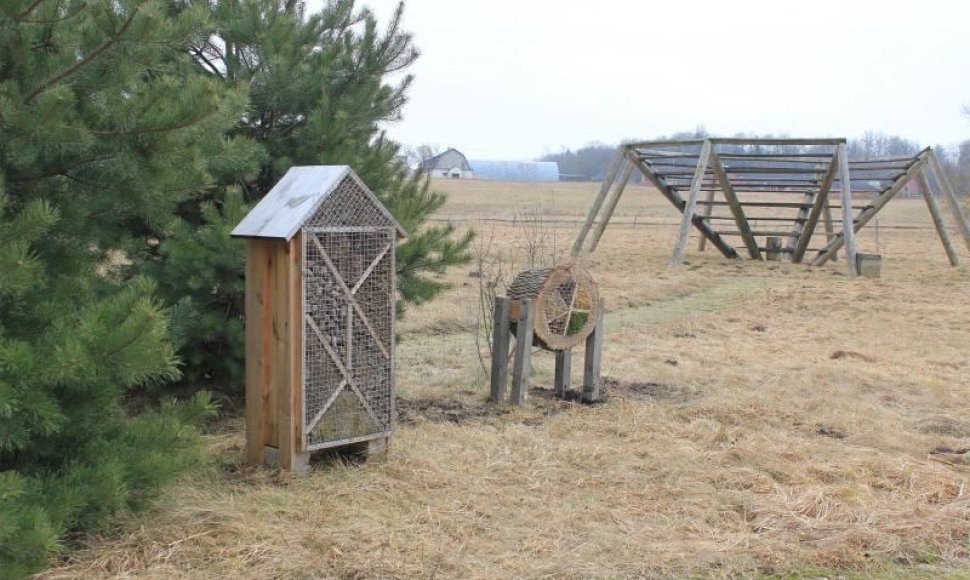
column 283, row 376
column 598, row 201
column 691, row 206
column 837, row 241
column 829, row 226
column 257, row 392
column 611, row 206
column 732, row 198
column 523, row 351
column 937, row 216
column 808, row 229
column 848, row 232
column 678, row 202
column 295, row 293
column 778, row 141
column 500, row 349
column 593, row 359
column 951, row 198
column 706, row 214
column 564, row 361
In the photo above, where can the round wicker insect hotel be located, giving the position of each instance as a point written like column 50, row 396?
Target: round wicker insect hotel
column 554, row 309
column 566, row 304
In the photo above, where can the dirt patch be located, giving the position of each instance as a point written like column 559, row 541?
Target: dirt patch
column 841, row 354
column 411, row 411
column 649, row 391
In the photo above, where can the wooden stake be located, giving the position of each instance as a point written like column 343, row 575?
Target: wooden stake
column 937, row 215
column 732, row 198
column 500, row 349
column 598, row 202
column 691, row 205
column 951, row 198
column 564, row 359
column 523, row 351
column 611, row 207
column 848, row 230
column 591, row 364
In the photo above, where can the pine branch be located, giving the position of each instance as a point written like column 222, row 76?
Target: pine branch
column 83, row 62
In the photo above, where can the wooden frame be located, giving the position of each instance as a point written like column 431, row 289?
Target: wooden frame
column 737, row 166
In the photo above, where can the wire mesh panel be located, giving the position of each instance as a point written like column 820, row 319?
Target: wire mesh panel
column 348, row 333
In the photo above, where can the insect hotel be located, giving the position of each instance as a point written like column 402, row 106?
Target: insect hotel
column 320, row 308
column 554, row 309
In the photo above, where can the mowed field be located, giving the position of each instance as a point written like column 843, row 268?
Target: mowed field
column 763, row 419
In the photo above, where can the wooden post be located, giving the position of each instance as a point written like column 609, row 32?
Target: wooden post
column 937, row 215
column 829, row 228
column 691, row 206
column 848, row 224
column 257, row 380
column 951, row 198
column 500, row 349
column 611, row 207
column 706, row 212
column 523, row 352
column 598, row 202
column 773, row 248
column 564, row 359
column 591, row 364
column 736, row 210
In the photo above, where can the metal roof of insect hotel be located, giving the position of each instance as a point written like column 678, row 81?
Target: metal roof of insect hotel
column 296, row 198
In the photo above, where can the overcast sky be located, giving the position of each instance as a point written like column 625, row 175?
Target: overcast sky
column 503, row 79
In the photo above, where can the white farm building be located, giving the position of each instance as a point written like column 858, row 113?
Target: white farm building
column 453, row 164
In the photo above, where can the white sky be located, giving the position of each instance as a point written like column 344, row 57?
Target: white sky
column 503, row 79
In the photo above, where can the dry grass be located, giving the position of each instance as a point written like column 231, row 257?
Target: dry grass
column 733, row 443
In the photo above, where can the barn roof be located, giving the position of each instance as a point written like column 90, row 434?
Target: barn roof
column 296, row 197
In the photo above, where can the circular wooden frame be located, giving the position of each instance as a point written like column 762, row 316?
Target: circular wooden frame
column 566, row 302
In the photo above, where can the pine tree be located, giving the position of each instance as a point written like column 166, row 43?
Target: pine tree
column 319, row 94
column 105, row 128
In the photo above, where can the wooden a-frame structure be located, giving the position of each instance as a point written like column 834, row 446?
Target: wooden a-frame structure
column 771, row 175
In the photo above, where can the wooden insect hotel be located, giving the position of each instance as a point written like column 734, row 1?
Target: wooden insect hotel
column 320, row 308
column 554, row 309
column 776, row 190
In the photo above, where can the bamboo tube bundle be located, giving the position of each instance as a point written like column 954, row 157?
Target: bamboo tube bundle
column 566, row 303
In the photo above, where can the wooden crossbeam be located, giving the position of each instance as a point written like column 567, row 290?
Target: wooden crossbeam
column 838, row 241
column 350, row 297
column 677, row 201
column 343, row 370
column 611, row 206
column 805, row 235
column 691, row 205
column 598, row 201
column 732, row 198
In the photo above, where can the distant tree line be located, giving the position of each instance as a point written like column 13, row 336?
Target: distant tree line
column 590, row 163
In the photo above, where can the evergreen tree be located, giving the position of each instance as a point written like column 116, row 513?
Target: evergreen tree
column 319, row 94
column 105, row 128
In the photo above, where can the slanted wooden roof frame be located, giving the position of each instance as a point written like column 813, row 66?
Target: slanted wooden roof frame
column 733, row 165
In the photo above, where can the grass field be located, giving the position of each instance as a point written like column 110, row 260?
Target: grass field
column 763, row 419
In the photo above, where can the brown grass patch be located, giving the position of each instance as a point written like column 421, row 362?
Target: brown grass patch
column 731, row 443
